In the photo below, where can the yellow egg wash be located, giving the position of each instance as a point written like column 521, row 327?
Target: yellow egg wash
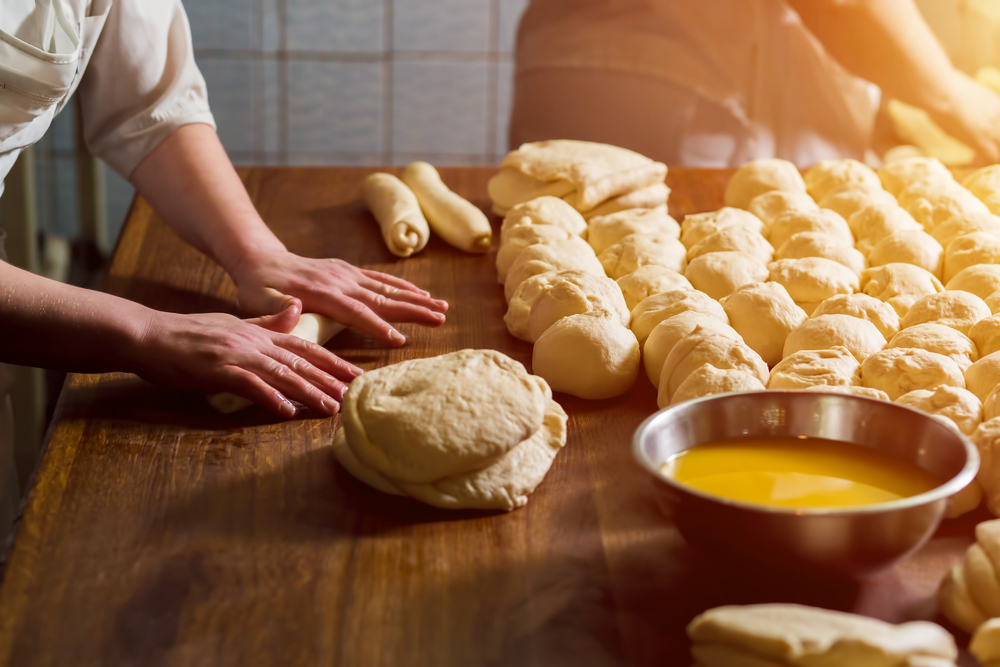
column 796, row 471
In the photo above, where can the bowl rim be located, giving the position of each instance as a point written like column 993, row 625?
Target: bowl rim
column 943, row 491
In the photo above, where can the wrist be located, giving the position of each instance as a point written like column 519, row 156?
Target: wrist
column 137, row 333
column 249, row 253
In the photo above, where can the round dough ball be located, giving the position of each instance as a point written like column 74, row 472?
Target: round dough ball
column 708, row 380
column 866, row 307
column 698, row 226
column 760, row 176
column 573, row 253
column 958, row 225
column 665, row 335
column 813, row 279
column 654, row 309
column 953, row 405
column 939, row 339
column 636, row 250
column 606, row 230
column 983, row 182
column 733, row 239
column 763, row 314
column 982, row 376
column 819, row 244
column 826, row 331
column 958, row 310
column 853, row 390
column 770, row 205
column 873, row 223
column 828, row 175
column 993, row 302
column 519, row 306
column 571, row 293
column 699, row 348
column 849, row 200
column 543, row 211
column 911, row 247
column 968, row 250
column 587, row 355
column 833, row 367
column 717, row 274
column 522, row 236
column 986, row 335
column 981, row 280
column 932, row 202
column 897, row 175
column 899, row 371
column 788, row 224
column 899, row 285
column 649, row 280
column 991, row 406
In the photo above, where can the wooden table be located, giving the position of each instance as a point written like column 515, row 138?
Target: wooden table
column 159, row 533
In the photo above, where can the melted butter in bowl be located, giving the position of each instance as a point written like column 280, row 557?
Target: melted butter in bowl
column 797, row 472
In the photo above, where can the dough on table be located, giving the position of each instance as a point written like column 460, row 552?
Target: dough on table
column 896, row 176
column 636, row 250
column 993, row 302
column 941, row 339
column 969, row 595
column 571, row 293
column 983, row 375
column 982, row 280
column 987, row 441
column 790, row 223
column 346, row 458
column 983, row 182
column 956, row 309
column 866, row 307
column 910, row 247
column 770, row 205
column 519, row 238
column 932, row 202
column 958, row 225
column 573, row 253
column 653, row 196
column 717, row 274
column 899, row 370
column 543, row 211
column 820, row 244
column 760, row 176
column 702, row 347
column 811, row 280
column 898, row 284
column 852, row 390
column 859, row 336
column 956, row 603
column 965, row 501
column 665, row 335
column 958, row 406
column 519, row 307
column 828, row 175
column 763, row 314
column 607, row 230
column 698, row 226
column 510, row 187
column 968, row 250
column 456, row 220
column 589, row 355
column 831, row 367
column 707, row 380
column 397, row 211
column 986, row 335
column 849, row 200
column 733, row 238
column 991, row 405
column 649, row 280
column 873, row 223
column 654, row 309
column 985, row 644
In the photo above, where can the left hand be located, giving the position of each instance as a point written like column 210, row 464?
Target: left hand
column 268, row 282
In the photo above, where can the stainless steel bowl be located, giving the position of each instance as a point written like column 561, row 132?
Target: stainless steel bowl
column 852, row 541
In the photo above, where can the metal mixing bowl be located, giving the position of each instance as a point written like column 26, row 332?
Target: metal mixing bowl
column 848, row 541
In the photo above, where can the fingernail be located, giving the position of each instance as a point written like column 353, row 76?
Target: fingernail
column 355, row 370
column 330, row 406
column 396, row 337
column 287, row 408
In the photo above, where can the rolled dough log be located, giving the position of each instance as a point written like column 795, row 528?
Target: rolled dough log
column 397, row 211
column 454, row 219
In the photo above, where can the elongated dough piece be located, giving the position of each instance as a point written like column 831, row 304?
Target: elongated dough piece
column 397, row 211
column 457, row 221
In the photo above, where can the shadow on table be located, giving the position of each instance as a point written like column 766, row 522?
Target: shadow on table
column 167, row 297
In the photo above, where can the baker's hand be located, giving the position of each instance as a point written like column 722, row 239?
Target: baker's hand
column 362, row 299
column 972, row 114
column 254, row 359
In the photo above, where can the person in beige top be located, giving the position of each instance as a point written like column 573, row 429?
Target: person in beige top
column 716, row 83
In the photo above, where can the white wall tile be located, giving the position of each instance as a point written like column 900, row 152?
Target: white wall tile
column 505, row 94
column 510, row 17
column 441, row 25
column 334, row 107
column 335, row 25
column 221, row 24
column 230, row 94
column 267, row 107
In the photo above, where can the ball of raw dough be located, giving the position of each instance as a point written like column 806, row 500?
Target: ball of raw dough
column 649, row 280
column 953, row 405
column 981, row 280
column 833, row 367
column 866, row 307
column 571, row 293
column 573, row 253
column 699, row 348
column 708, row 380
column 983, row 182
column 698, row 226
column 828, row 175
column 991, row 406
column 637, row 250
column 899, row 371
column 852, row 390
column 958, row 225
column 733, row 239
column 939, row 339
column 522, row 236
column 899, row 285
column 911, row 247
column 588, row 355
column 819, row 244
column 968, row 250
column 982, row 376
column 665, row 335
column 986, row 335
column 932, row 202
column 790, row 223
column 759, row 176
column 826, row 331
column 654, row 309
column 606, row 230
column 763, row 314
column 958, row 310
column 717, row 274
column 519, row 306
column 770, row 205
column 813, row 279
column 543, row 211
column 897, row 175
column 849, row 200
column 873, row 223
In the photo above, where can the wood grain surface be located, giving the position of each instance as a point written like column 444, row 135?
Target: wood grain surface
column 159, row 533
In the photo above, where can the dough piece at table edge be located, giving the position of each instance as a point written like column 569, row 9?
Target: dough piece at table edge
column 397, row 211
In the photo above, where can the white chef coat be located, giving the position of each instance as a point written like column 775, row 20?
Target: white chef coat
column 750, row 61
column 133, row 64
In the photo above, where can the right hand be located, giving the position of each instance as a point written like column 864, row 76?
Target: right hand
column 972, row 115
column 255, row 359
